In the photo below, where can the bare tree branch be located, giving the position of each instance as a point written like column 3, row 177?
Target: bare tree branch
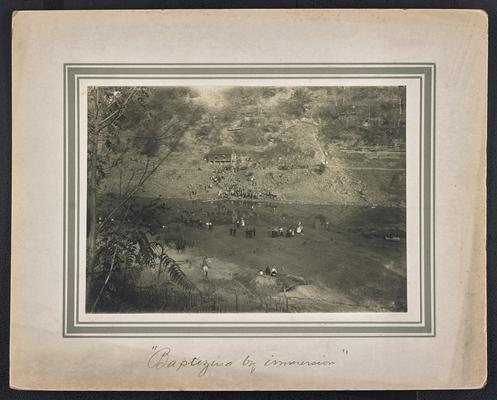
column 110, row 119
column 140, row 183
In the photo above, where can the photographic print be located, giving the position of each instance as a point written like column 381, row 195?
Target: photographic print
column 246, row 199
column 249, row 200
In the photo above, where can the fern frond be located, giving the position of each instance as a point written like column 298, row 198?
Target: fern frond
column 175, row 273
column 131, row 253
column 179, row 278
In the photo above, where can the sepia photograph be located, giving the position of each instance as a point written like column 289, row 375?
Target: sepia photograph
column 246, row 199
column 261, row 200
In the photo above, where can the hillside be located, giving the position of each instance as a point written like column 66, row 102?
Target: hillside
column 299, row 145
column 289, row 169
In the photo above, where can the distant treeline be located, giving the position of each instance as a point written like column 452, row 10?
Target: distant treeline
column 348, row 115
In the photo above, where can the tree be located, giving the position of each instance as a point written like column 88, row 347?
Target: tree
column 105, row 108
column 127, row 247
column 131, row 132
column 299, row 102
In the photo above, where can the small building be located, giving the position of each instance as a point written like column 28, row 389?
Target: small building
column 221, row 155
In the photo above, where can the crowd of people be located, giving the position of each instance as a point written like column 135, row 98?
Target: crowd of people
column 243, row 193
column 231, row 186
column 249, row 232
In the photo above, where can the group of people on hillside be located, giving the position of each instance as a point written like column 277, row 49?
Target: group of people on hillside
column 245, row 193
column 237, row 191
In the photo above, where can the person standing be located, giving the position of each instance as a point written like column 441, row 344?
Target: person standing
column 205, row 268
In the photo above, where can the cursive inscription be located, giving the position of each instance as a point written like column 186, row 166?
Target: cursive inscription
column 163, row 358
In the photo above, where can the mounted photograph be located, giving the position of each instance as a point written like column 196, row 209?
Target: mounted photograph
column 246, row 199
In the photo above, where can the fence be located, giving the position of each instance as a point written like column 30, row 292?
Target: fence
column 235, row 302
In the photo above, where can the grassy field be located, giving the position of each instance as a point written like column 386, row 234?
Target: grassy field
column 341, row 262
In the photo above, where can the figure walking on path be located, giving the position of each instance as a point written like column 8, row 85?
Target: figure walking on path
column 205, row 268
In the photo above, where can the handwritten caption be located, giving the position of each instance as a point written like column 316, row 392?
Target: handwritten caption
column 164, row 358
